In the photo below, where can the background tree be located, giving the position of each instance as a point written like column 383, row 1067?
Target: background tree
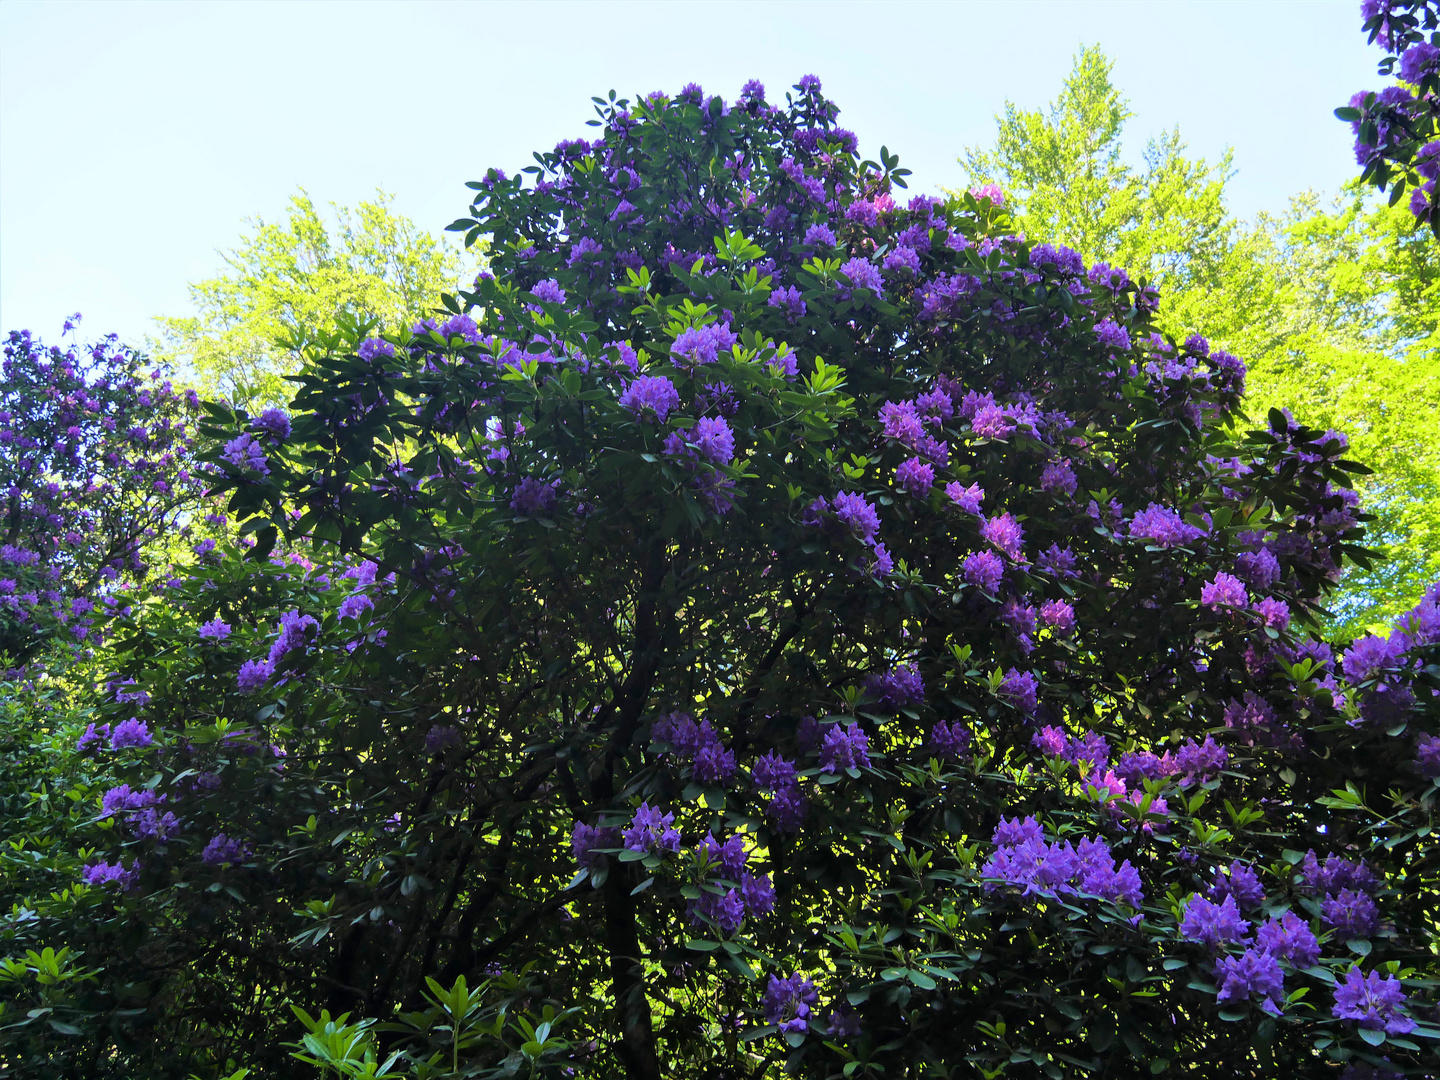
column 1335, row 310
column 291, row 280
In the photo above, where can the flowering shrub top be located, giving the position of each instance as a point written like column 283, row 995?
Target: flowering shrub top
column 1397, row 131
column 790, row 623
column 94, row 466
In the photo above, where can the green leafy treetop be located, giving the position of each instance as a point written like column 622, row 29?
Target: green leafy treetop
column 291, row 280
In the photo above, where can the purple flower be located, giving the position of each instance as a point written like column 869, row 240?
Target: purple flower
column 787, row 1003
column 121, row 799
column 915, row 477
column 253, row 675
column 1369, row 656
column 949, row 740
column 819, row 235
column 703, row 344
column 650, row 831
column 1419, row 61
column 856, row 514
column 714, row 764
column 246, row 454
column 729, row 857
column 758, row 893
column 897, row 688
column 215, row 629
column 222, row 850
column 1260, row 569
column 371, row 348
column 1224, row 591
column 1289, row 938
column 274, row 423
column 843, row 1023
column 1112, row 335
column 773, row 772
column 711, row 438
column 1059, row 615
column 101, row 874
column 586, row 839
column 534, row 498
column 1163, row 526
column 1336, row 874
column 902, row 260
column 1275, row 613
column 652, row 394
column 550, row 291
column 1020, row 688
column 991, row 422
column 991, row 192
column 789, row 300
column 1373, row 1001
column 132, row 732
column 1252, row 972
column 1351, row 914
column 1050, row 740
column 1427, row 755
column 1014, row 831
column 92, row 736
column 966, row 498
column 726, row 910
column 293, row 632
column 1213, row 924
column 788, row 808
column 862, row 275
column 1005, row 533
column 1059, row 476
column 844, row 747
column 1057, row 561
column 441, row 737
column 1243, row 884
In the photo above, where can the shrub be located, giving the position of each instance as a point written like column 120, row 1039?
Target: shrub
column 770, row 625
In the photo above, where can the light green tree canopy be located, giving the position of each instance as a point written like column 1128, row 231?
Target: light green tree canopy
column 293, row 278
column 1336, row 311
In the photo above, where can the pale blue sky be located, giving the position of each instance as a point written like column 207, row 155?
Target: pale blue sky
column 136, row 137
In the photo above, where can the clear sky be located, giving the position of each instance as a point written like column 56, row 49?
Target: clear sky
column 135, row 138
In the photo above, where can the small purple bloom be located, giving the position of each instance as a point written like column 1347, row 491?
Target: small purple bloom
column 652, row 394
column 1224, row 591
column 223, row 850
column 897, row 688
column 1112, row 335
column 534, row 498
column 1252, row 972
column 788, row 808
column 1373, row 1001
column 274, row 423
column 651, row 832
column 253, row 675
column 1289, row 938
column 787, row 1001
column 966, row 498
column 246, row 454
column 585, row 839
column 1213, row 924
column 862, row 275
column 441, row 737
column 1058, row 476
column 949, row 740
column 915, row 477
column 1005, row 533
column 856, row 514
column 215, row 629
column 714, row 764
column 1351, row 914
column 844, row 747
column 132, row 732
column 1020, row 688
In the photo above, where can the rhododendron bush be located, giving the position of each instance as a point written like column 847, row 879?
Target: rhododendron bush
column 773, row 624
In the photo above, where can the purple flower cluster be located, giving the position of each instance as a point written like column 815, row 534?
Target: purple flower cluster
column 651, row 832
column 1213, row 924
column 223, row 850
column 845, row 746
column 1374, row 1001
column 651, row 395
column 1005, row 533
column 1163, row 527
column 1023, row 857
column 702, row 344
column 586, row 842
column 787, row 1003
column 967, row 498
column 898, row 688
column 246, row 454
